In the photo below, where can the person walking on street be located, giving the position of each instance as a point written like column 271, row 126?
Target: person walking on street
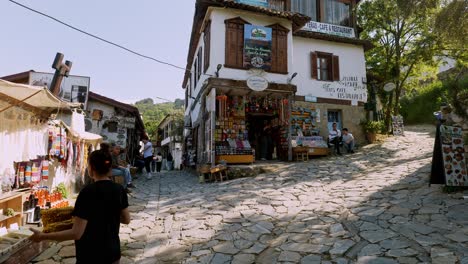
column 147, row 156
column 99, row 210
column 158, row 159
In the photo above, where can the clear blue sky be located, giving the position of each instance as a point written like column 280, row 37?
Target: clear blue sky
column 160, row 29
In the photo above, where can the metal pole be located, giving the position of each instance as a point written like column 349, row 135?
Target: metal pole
column 290, row 155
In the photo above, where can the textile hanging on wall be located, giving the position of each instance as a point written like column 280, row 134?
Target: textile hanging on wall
column 22, row 137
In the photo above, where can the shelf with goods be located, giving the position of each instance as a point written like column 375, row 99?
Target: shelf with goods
column 304, row 121
column 12, row 201
column 306, row 133
column 231, row 141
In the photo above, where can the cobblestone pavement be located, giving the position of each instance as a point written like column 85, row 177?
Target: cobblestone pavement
column 374, row 206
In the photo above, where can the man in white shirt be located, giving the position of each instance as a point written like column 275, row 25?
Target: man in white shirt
column 334, row 137
column 348, row 141
column 147, row 156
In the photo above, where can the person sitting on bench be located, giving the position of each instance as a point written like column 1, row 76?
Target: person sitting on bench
column 119, row 170
column 348, row 141
column 334, row 137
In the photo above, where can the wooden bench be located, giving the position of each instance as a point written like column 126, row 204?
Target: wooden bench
column 301, row 153
column 219, row 172
column 214, row 173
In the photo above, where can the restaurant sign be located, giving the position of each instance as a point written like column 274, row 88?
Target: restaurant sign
column 330, row 29
column 261, row 3
column 257, row 47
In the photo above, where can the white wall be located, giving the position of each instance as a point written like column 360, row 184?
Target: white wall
column 352, row 61
column 120, row 138
column 218, row 45
column 352, row 64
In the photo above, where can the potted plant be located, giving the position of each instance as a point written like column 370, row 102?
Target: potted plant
column 371, row 128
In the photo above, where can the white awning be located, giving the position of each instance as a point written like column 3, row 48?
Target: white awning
column 35, row 96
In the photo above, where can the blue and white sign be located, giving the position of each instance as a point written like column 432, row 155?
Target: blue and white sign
column 257, row 47
column 330, row 29
column 261, row 3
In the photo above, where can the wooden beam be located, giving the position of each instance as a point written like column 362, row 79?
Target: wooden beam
column 20, row 103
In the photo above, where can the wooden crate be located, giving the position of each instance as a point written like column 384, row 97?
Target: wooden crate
column 236, row 159
column 318, row 152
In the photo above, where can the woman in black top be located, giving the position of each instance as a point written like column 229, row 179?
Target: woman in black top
column 99, row 210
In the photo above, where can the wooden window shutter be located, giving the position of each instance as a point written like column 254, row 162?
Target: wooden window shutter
column 336, row 68
column 282, row 52
column 274, row 51
column 200, row 62
column 279, row 49
column 207, row 40
column 313, row 60
column 234, row 54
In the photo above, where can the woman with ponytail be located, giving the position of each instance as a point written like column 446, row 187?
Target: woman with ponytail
column 99, row 209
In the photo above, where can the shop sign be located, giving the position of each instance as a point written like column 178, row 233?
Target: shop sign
column 257, row 47
column 330, row 29
column 261, row 3
column 311, row 99
column 127, row 122
column 73, row 89
column 257, row 83
column 453, row 154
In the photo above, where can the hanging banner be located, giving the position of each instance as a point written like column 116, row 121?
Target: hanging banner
column 453, row 154
column 329, row 29
column 257, row 47
column 261, row 3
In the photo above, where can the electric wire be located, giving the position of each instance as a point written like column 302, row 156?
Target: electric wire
column 99, row 38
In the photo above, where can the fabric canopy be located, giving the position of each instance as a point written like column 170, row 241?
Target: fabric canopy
column 35, row 96
column 80, row 135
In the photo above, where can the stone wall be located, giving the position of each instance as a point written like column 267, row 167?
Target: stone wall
column 351, row 116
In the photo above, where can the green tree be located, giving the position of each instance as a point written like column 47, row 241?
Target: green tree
column 451, row 28
column 402, row 35
column 153, row 113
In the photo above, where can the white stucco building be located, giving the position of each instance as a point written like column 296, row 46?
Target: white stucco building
column 292, row 64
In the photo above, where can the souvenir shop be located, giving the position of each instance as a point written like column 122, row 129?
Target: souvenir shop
column 40, row 159
column 242, row 126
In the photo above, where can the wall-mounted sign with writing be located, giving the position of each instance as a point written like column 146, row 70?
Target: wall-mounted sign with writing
column 257, row 47
column 453, row 154
column 398, row 126
column 348, row 88
column 257, row 83
column 330, row 29
column 261, row 3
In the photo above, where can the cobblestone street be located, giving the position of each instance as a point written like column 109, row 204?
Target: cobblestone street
column 374, row 206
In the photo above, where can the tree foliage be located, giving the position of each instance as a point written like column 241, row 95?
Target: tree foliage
column 402, row 35
column 451, row 28
column 153, row 113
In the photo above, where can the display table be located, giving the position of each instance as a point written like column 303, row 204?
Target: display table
column 236, row 159
column 318, row 151
column 315, row 145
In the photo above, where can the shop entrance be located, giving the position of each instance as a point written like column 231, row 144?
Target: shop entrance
column 263, row 136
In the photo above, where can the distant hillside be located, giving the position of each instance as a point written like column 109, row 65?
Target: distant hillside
column 153, row 113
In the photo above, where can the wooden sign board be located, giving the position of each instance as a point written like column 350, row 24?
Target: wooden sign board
column 398, row 126
column 453, row 154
